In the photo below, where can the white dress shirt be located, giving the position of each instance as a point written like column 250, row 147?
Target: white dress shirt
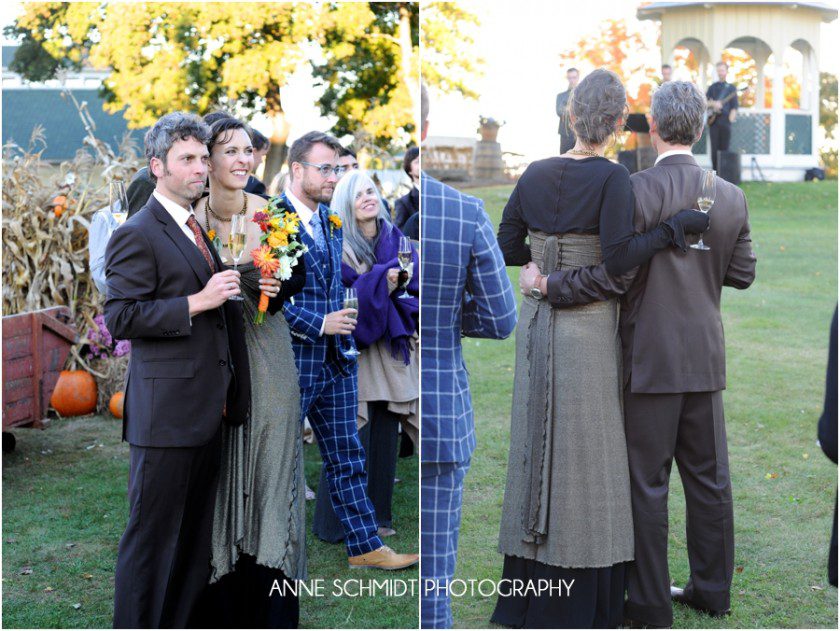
column 673, row 152
column 303, row 212
column 179, row 214
column 102, row 226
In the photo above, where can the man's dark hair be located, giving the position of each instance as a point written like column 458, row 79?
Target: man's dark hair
column 299, row 151
column 217, row 115
column 572, row 70
column 410, row 156
column 259, row 141
column 668, row 66
column 346, row 151
column 220, row 128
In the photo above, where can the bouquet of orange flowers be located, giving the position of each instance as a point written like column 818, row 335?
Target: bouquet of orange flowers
column 280, row 245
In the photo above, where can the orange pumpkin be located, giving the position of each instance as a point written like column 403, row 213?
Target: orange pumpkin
column 59, row 200
column 74, row 394
column 59, row 210
column 116, row 404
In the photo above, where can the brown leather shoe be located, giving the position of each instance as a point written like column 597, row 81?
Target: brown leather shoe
column 383, row 559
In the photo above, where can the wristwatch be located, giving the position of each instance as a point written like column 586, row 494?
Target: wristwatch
column 536, row 292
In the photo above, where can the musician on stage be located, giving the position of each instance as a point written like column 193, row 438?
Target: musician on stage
column 723, row 103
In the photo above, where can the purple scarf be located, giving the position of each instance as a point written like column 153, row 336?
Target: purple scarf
column 382, row 315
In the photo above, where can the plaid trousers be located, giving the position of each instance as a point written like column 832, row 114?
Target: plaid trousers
column 331, row 403
column 442, row 489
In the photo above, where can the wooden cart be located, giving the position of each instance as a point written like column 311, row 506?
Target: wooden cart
column 35, row 347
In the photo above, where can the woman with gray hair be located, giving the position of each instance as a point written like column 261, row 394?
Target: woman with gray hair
column 567, row 508
column 386, row 335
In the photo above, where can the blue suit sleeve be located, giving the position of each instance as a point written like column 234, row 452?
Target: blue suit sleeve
column 490, row 307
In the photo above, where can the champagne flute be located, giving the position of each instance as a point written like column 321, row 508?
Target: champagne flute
column 705, row 200
column 118, row 200
column 236, row 242
column 351, row 301
column 404, row 259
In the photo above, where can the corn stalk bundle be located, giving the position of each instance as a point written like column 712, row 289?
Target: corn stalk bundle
column 45, row 253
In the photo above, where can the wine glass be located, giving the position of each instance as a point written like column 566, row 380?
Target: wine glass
column 118, row 200
column 236, row 242
column 404, row 259
column 705, row 200
column 351, row 301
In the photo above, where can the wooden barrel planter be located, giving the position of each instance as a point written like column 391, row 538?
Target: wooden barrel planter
column 35, row 347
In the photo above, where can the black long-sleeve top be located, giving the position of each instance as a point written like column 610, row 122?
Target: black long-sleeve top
column 588, row 196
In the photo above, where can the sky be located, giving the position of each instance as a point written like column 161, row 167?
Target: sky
column 523, row 75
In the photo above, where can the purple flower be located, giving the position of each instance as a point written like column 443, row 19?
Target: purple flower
column 102, row 344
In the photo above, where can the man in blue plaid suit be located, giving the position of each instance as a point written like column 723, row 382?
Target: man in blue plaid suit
column 465, row 291
column 321, row 340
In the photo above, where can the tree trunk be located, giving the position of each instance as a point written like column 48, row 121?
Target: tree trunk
column 278, row 151
column 406, row 55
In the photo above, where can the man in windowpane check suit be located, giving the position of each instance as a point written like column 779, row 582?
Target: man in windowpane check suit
column 321, row 340
column 466, row 291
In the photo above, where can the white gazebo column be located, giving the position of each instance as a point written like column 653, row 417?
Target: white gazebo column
column 777, row 117
column 813, row 80
column 760, row 62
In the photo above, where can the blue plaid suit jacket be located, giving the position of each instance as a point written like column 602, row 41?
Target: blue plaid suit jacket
column 323, row 293
column 465, row 290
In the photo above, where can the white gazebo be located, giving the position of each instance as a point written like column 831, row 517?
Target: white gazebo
column 781, row 142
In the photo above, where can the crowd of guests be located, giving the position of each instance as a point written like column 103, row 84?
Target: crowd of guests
column 351, row 371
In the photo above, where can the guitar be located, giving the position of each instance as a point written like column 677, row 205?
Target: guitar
column 711, row 114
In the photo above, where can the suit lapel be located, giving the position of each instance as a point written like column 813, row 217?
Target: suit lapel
column 183, row 243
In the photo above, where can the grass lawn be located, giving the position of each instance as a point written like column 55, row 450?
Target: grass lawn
column 783, row 486
column 65, row 507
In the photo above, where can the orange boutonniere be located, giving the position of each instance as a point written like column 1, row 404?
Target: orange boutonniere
column 211, row 234
column 335, row 223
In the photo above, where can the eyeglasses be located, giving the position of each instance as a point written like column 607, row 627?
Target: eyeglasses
column 324, row 169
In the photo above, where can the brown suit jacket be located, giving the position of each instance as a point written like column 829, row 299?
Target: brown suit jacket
column 671, row 329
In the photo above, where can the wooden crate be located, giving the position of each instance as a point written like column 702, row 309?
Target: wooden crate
column 35, row 347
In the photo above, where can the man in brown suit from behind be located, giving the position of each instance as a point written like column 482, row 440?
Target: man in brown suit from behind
column 674, row 365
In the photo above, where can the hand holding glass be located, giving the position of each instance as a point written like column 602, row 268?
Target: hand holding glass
column 404, row 259
column 236, row 242
column 705, row 200
column 351, row 301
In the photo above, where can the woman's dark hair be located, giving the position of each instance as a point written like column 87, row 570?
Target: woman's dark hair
column 219, row 129
column 597, row 104
column 410, row 156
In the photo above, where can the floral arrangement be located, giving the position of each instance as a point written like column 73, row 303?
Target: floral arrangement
column 280, row 245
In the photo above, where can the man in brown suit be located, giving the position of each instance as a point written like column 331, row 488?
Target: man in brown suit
column 674, row 365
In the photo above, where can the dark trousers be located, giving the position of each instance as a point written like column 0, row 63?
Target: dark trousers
column 379, row 438
column 719, row 134
column 163, row 562
column 688, row 428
